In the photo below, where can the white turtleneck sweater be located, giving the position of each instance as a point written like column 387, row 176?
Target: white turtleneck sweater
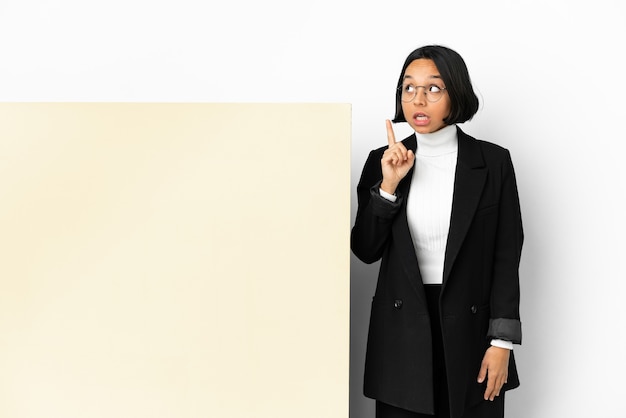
column 429, row 203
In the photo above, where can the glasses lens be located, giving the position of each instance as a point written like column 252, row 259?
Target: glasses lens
column 433, row 96
column 408, row 93
column 434, row 93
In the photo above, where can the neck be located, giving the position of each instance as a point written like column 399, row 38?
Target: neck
column 441, row 142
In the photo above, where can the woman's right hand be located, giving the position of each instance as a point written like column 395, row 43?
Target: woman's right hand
column 396, row 162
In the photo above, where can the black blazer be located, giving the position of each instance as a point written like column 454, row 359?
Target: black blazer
column 480, row 292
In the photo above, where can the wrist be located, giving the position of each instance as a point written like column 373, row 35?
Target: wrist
column 388, row 188
column 502, row 344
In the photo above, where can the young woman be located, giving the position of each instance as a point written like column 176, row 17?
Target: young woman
column 440, row 209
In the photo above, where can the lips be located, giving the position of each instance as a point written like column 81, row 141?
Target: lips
column 421, row 118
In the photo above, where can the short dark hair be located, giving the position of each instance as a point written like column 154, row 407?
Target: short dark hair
column 453, row 71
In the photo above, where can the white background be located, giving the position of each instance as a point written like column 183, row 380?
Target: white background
column 550, row 75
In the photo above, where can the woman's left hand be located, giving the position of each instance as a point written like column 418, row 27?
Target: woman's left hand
column 494, row 368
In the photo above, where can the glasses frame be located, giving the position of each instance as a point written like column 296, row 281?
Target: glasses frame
column 401, row 88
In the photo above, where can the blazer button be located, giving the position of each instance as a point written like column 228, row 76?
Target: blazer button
column 397, row 303
column 474, row 309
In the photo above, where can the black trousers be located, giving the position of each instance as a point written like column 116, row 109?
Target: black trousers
column 485, row 409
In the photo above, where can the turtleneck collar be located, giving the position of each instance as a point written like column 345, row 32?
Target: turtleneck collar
column 443, row 141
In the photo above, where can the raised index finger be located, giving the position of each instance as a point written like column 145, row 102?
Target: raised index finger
column 391, row 138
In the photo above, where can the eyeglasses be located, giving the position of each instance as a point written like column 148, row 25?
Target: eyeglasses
column 433, row 92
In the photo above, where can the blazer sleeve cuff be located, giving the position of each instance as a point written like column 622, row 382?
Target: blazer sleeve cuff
column 505, row 329
column 381, row 207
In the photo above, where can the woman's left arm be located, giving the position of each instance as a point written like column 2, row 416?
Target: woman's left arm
column 504, row 323
column 505, row 289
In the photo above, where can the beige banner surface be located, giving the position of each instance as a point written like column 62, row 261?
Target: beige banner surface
column 174, row 260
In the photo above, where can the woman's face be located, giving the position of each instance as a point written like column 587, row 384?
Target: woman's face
column 425, row 116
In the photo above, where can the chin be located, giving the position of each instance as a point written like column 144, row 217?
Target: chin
column 424, row 129
column 428, row 129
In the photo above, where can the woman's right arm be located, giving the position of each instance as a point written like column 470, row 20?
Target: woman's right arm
column 384, row 169
column 374, row 213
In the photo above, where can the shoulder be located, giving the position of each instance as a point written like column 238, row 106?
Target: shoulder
column 490, row 151
column 487, row 146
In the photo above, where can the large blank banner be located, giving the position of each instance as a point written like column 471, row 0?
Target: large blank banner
column 174, row 260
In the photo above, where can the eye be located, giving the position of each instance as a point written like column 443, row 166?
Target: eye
column 434, row 89
column 409, row 88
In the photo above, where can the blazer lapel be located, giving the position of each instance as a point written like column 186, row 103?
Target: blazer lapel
column 469, row 181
